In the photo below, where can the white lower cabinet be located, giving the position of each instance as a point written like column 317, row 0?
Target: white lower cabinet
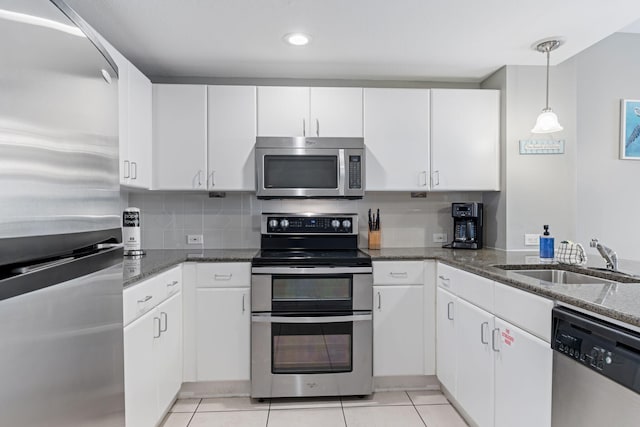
column 446, row 351
column 221, row 310
column 523, row 368
column 223, row 321
column 152, row 347
column 398, row 330
column 169, row 351
column 141, row 403
column 153, row 363
column 475, row 368
column 498, row 373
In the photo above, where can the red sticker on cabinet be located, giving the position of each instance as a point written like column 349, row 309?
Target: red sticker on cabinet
column 507, row 337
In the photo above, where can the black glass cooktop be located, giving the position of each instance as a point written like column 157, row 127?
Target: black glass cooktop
column 341, row 257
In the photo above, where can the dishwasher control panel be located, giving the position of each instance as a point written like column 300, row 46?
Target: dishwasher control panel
column 602, row 347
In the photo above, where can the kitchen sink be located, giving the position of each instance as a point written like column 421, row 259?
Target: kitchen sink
column 561, row 276
column 567, row 274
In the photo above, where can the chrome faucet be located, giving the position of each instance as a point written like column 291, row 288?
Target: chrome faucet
column 607, row 253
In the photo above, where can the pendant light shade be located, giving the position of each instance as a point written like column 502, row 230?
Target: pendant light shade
column 547, row 121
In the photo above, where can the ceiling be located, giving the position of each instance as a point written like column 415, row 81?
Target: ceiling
column 419, row 40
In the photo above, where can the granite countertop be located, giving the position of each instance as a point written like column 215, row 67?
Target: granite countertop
column 158, row 260
column 620, row 301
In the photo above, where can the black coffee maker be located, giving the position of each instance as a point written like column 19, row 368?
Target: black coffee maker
column 467, row 225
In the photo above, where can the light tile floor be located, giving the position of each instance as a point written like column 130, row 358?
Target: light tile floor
column 383, row 409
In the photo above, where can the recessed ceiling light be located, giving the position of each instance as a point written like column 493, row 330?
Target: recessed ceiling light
column 297, row 39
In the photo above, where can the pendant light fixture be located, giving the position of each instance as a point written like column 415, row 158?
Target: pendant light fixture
column 547, row 121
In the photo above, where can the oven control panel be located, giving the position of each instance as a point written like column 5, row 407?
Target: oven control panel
column 309, row 224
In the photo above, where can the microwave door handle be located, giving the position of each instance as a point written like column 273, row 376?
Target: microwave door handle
column 342, row 172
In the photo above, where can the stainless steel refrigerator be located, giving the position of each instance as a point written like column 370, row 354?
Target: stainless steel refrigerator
column 61, row 349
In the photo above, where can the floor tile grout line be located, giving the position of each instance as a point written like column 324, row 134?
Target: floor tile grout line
column 344, row 416
column 191, row 419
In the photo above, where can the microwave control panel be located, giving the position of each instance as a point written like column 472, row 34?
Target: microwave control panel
column 355, row 172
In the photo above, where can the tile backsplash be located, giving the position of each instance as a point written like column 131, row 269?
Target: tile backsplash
column 234, row 221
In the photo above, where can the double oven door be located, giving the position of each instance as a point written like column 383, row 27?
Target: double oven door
column 311, row 331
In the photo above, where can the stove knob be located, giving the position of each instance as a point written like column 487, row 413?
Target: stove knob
column 284, row 223
column 273, row 223
column 335, row 223
column 346, row 223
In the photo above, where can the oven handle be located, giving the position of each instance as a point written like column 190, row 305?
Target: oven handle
column 311, row 270
column 267, row 318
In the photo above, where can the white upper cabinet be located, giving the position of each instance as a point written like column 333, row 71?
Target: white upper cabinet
column 180, row 137
column 231, row 137
column 336, row 112
column 465, row 140
column 396, row 130
column 303, row 111
column 283, row 111
column 139, row 129
column 134, row 121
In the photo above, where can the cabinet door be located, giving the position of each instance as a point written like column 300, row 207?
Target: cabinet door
column 231, row 137
column 223, row 319
column 139, row 124
column 398, row 330
column 396, row 129
column 283, row 111
column 446, row 349
column 179, row 137
column 465, row 139
column 141, row 405
column 523, row 369
column 169, row 351
column 474, row 385
column 336, row 112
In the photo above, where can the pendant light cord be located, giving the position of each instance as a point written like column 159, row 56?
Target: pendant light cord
column 548, row 55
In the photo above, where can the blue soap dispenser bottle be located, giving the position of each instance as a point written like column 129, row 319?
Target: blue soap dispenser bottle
column 546, row 245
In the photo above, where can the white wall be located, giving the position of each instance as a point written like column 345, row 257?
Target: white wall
column 535, row 189
column 607, row 198
column 234, row 221
column 495, row 202
column 541, row 189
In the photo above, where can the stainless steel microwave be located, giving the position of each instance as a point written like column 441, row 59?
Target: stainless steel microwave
column 301, row 167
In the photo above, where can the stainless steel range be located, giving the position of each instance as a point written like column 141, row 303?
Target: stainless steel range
column 311, row 308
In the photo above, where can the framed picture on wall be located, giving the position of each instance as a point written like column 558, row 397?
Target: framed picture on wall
column 630, row 129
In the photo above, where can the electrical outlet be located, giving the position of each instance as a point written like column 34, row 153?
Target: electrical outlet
column 439, row 237
column 531, row 239
column 195, row 239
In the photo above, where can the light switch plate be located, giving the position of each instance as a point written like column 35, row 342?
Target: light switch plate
column 195, row 239
column 531, row 239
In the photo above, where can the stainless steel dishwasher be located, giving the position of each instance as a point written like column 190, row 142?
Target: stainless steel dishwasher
column 596, row 372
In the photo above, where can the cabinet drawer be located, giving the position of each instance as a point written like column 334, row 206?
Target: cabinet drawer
column 141, row 298
column 447, row 277
column 223, row 275
column 398, row 273
column 170, row 282
column 530, row 312
column 475, row 289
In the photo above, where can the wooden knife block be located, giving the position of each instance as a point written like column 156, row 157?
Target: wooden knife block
column 374, row 239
